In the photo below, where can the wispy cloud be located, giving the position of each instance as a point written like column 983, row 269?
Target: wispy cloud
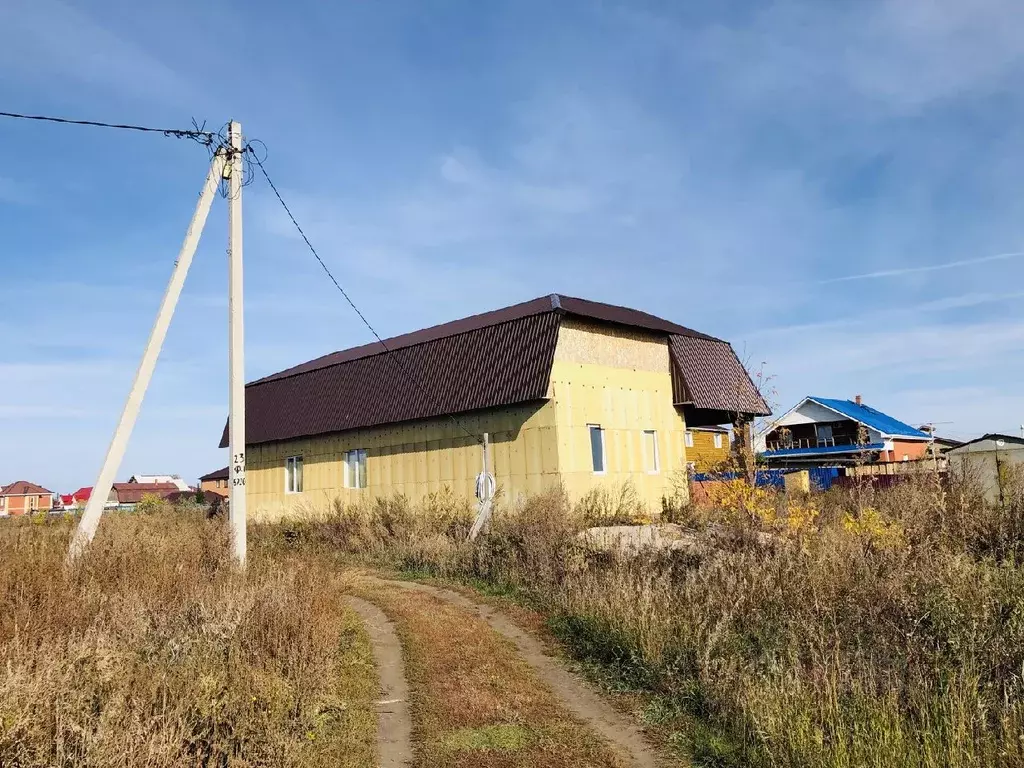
column 926, row 268
column 696, row 164
column 40, row 39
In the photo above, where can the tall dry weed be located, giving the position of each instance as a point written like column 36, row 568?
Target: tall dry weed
column 887, row 628
column 154, row 651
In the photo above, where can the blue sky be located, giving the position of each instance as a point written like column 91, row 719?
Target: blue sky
column 833, row 187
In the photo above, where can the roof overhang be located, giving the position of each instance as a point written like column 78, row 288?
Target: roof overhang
column 826, row 450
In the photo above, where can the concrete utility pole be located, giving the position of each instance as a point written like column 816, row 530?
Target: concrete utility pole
column 236, row 350
column 115, row 452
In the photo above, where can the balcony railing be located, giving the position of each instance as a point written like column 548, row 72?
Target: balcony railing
column 808, row 442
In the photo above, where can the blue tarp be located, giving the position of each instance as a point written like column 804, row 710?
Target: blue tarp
column 774, row 478
column 822, row 478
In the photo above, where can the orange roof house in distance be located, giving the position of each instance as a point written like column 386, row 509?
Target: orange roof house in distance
column 215, row 482
column 24, row 498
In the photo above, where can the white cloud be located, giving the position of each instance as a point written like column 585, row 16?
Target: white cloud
column 916, row 372
column 900, row 271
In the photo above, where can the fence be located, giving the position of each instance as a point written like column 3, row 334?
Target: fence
column 820, row 478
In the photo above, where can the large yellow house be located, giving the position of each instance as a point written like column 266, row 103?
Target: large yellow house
column 568, row 391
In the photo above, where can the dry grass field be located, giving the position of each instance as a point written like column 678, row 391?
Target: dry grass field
column 154, row 653
column 851, row 629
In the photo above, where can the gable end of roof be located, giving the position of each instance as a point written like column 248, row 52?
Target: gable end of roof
column 870, row 417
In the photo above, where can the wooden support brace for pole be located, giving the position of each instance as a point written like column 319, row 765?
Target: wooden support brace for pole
column 115, row 452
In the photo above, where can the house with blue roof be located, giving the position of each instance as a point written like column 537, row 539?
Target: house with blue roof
column 824, row 431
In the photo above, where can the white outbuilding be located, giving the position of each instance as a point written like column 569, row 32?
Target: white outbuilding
column 989, row 459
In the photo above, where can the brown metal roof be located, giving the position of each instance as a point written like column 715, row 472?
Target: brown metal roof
column 132, row 493
column 497, row 358
column 485, row 367
column 708, row 375
column 23, row 488
column 594, row 310
column 220, row 474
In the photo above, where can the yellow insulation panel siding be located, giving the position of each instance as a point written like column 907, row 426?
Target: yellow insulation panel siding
column 620, row 380
column 625, row 404
column 414, row 459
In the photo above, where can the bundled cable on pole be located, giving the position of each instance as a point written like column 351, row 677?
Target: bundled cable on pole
column 197, row 133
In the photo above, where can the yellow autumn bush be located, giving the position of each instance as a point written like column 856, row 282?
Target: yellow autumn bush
column 738, row 501
column 874, row 529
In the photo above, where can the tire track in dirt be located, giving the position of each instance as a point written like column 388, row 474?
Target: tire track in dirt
column 394, row 723
column 578, row 697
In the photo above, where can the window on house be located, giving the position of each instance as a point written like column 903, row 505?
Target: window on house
column 651, row 463
column 355, row 468
column 293, row 474
column 689, row 439
column 718, row 439
column 597, row 448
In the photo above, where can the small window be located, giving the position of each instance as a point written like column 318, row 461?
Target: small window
column 597, row 448
column 651, row 463
column 718, row 439
column 906, row 457
column 689, row 439
column 293, row 474
column 355, row 468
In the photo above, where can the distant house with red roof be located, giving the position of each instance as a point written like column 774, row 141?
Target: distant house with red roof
column 22, row 497
column 78, row 499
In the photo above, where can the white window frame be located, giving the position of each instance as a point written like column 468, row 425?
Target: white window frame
column 291, row 462
column 688, row 438
column 718, row 439
column 604, row 448
column 657, row 454
column 350, row 482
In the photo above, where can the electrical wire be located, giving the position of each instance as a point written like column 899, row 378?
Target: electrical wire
column 217, row 142
column 197, row 133
column 298, row 227
column 214, row 141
